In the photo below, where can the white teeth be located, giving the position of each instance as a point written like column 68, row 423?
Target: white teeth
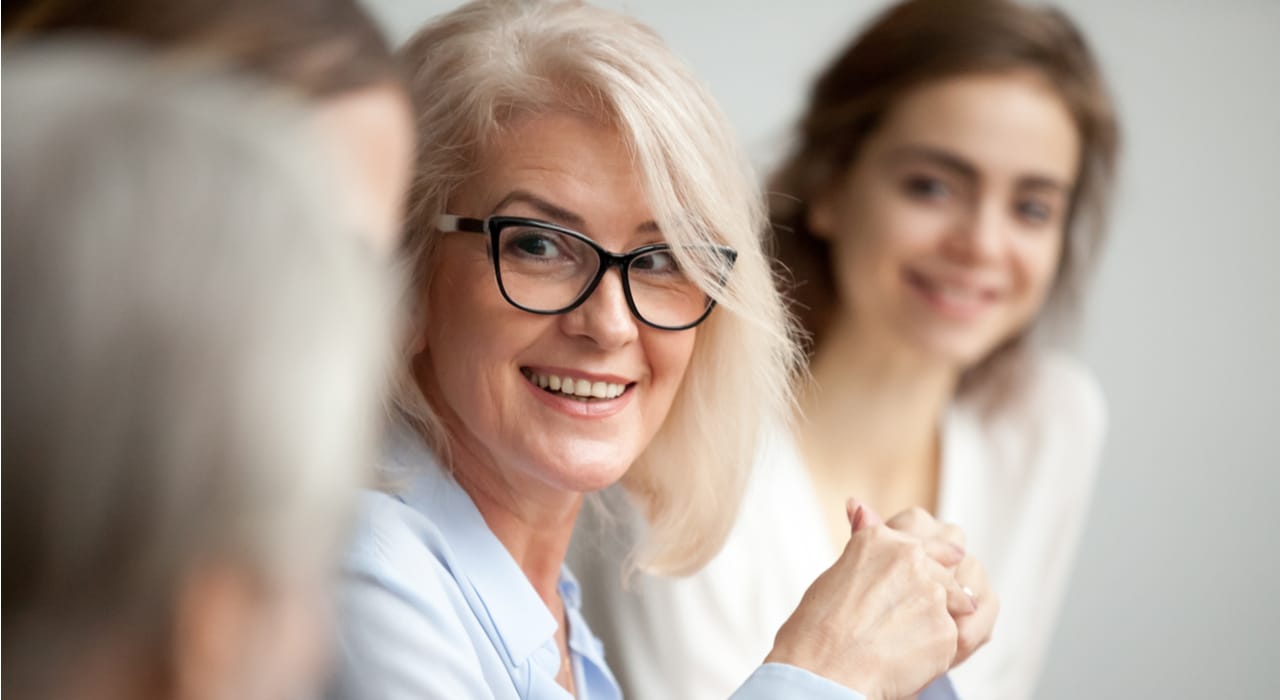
column 957, row 294
column 577, row 388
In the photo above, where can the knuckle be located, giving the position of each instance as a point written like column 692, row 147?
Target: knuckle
column 937, row 595
column 915, row 557
column 945, row 629
column 915, row 516
column 953, row 533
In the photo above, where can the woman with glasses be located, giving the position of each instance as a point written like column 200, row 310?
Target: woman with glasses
column 591, row 306
column 938, row 215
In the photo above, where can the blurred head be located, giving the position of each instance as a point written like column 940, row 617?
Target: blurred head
column 582, row 118
column 194, row 351
column 950, row 181
column 328, row 51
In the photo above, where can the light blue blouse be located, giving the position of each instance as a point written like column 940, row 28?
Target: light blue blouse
column 433, row 606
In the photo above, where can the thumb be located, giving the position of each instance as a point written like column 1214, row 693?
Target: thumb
column 860, row 515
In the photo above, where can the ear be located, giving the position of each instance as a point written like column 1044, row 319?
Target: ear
column 213, row 621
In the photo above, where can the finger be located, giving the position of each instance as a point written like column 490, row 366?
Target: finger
column 975, row 630
column 869, row 518
column 854, row 513
column 972, row 574
column 948, row 554
column 959, row 601
column 952, row 533
column 914, row 521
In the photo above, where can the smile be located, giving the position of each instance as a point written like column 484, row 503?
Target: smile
column 958, row 301
column 577, row 388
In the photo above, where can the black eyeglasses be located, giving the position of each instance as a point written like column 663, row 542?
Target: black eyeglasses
column 543, row 268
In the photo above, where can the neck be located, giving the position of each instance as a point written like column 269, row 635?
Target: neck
column 531, row 518
column 874, row 404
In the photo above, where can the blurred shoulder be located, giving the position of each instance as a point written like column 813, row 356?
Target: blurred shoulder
column 1062, row 389
column 1053, row 423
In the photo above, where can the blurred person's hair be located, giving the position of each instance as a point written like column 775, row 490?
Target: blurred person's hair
column 913, row 44
column 194, row 351
column 321, row 48
column 488, row 65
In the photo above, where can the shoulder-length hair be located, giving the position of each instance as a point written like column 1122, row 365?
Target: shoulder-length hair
column 472, row 72
column 912, row 44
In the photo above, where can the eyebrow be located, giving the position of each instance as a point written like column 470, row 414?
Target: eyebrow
column 556, row 213
column 963, row 168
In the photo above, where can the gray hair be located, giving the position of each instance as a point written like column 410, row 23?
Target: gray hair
column 194, row 344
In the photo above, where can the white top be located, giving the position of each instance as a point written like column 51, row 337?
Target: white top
column 1018, row 483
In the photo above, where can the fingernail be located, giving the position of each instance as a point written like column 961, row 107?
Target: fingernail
column 856, row 519
column 973, row 600
column 959, row 551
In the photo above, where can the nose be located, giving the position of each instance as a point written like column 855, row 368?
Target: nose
column 981, row 234
column 604, row 318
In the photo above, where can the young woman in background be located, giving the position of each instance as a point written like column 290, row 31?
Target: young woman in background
column 938, row 217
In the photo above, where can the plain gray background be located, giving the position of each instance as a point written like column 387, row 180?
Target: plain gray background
column 1175, row 593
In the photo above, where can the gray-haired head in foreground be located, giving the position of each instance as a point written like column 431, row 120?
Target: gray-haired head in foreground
column 193, row 349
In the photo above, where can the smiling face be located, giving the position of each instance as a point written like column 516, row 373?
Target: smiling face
column 485, row 363
column 947, row 231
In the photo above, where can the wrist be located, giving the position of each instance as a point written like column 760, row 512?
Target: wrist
column 850, row 673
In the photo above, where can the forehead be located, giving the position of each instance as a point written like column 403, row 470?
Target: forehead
column 580, row 163
column 1007, row 123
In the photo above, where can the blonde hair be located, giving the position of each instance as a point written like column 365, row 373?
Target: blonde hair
column 194, row 348
column 472, row 72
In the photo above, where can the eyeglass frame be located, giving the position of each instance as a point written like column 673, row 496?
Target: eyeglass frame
column 492, row 227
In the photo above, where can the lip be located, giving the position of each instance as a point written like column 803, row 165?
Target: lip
column 596, row 409
column 949, row 307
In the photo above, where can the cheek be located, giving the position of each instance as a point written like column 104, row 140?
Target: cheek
column 669, row 354
column 880, row 238
column 468, row 332
column 1037, row 260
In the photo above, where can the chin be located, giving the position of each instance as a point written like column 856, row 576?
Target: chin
column 585, row 466
column 963, row 350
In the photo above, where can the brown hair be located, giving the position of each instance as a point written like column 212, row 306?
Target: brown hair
column 321, row 48
column 919, row 42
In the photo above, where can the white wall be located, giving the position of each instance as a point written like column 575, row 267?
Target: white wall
column 1176, row 593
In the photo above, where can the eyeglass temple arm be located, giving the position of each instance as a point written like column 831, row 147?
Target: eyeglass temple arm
column 449, row 223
